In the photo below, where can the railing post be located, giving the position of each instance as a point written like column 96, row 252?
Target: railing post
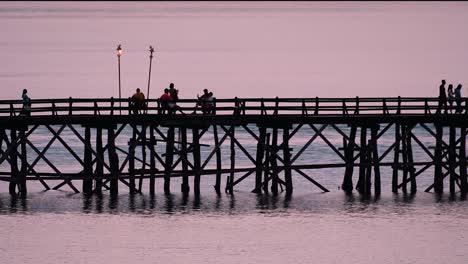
column 276, row 106
column 316, row 105
column 159, row 106
column 426, row 107
column 385, row 108
column 399, row 105
column 466, row 106
column 262, row 107
column 304, row 108
column 54, row 112
column 356, row 111
column 112, row 105
column 12, row 110
column 237, row 109
column 345, row 110
column 70, row 102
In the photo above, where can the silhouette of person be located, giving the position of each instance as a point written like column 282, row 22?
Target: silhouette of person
column 442, row 98
column 26, row 110
column 201, row 101
column 451, row 96
column 174, row 93
column 138, row 101
column 458, row 98
column 209, row 103
column 165, row 99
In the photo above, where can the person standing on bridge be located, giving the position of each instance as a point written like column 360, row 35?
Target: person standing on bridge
column 451, row 96
column 442, row 99
column 174, row 93
column 26, row 110
column 458, row 98
column 138, row 101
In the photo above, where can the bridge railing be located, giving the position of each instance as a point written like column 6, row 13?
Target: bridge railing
column 238, row 106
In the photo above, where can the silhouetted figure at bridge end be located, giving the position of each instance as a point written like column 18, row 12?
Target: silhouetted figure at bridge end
column 174, row 93
column 450, row 96
column 138, row 101
column 26, row 110
column 442, row 99
column 458, row 99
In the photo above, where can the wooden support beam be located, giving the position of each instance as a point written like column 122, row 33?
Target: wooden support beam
column 14, row 163
column 266, row 164
column 169, row 160
column 259, row 159
column 404, row 152
column 412, row 170
column 438, row 183
column 287, row 162
column 347, row 184
column 113, row 162
column 24, row 168
column 185, row 187
column 396, row 158
column 452, row 158
column 152, row 163
column 143, row 155
column 360, row 187
column 196, row 160
column 218, row 160
column 375, row 161
column 88, row 167
column 131, row 158
column 99, row 166
column 462, row 161
column 273, row 165
column 231, row 132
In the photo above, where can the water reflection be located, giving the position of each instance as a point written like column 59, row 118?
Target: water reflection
column 236, row 203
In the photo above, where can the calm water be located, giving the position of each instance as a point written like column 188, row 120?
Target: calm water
column 303, row 49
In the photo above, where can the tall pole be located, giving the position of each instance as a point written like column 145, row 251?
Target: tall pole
column 119, row 53
column 151, row 50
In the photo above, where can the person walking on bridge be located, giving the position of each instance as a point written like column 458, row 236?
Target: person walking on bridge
column 26, row 110
column 138, row 101
column 442, row 99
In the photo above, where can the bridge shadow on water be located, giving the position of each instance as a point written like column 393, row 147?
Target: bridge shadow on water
column 239, row 203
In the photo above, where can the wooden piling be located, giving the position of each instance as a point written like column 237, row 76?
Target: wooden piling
column 266, row 164
column 462, row 161
column 347, row 184
column 131, row 159
column 218, row 160
column 273, row 164
column 143, row 156
column 152, row 182
column 287, row 162
column 233, row 159
column 113, row 162
column 185, row 187
column 24, row 170
column 438, row 177
column 452, row 159
column 362, row 161
column 169, row 160
column 88, row 166
column 13, row 163
column 196, row 160
column 375, row 161
column 396, row 165
column 404, row 152
column 412, row 172
column 99, row 165
column 259, row 159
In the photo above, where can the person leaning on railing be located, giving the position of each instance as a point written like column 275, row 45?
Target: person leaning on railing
column 26, row 110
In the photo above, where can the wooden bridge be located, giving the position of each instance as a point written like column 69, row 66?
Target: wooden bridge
column 277, row 121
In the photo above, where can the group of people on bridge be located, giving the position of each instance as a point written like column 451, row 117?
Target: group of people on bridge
column 450, row 96
column 169, row 100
